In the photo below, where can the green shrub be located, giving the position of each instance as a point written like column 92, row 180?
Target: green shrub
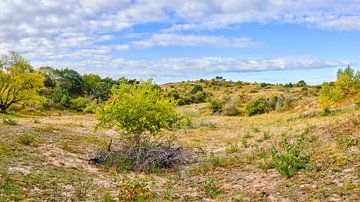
column 357, row 100
column 10, row 121
column 134, row 189
column 26, row 139
column 107, row 198
column 79, row 103
column 257, row 106
column 137, row 111
column 197, row 89
column 211, row 188
column 290, row 157
column 233, row 148
column 301, row 83
column 216, row 106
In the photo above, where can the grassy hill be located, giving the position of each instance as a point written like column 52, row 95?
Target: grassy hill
column 236, row 158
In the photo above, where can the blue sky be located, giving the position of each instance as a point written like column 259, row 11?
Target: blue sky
column 273, row 41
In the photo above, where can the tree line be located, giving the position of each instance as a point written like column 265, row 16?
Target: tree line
column 49, row 87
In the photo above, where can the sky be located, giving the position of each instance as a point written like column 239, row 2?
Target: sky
column 275, row 41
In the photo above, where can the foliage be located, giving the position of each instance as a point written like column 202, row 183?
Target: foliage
column 196, row 89
column 19, row 83
column 301, row 83
column 328, row 96
column 137, row 109
column 233, row 148
column 211, row 188
column 216, row 106
column 134, row 189
column 27, row 139
column 10, row 121
column 231, row 107
column 97, row 88
column 257, row 106
column 290, row 157
column 357, row 100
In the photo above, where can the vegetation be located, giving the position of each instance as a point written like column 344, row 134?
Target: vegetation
column 346, row 85
column 46, row 158
column 137, row 110
column 257, row 106
column 19, row 82
column 290, row 158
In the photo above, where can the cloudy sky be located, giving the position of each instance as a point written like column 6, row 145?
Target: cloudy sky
column 172, row 40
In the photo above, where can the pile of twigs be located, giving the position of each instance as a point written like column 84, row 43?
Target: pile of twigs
column 144, row 156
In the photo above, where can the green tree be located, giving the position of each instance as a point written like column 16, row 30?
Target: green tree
column 19, row 82
column 71, row 81
column 328, row 96
column 196, row 89
column 97, row 88
column 137, row 110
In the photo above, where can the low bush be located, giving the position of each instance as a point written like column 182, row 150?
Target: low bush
column 257, row 106
column 216, row 106
column 290, row 157
column 211, row 188
column 26, row 139
column 233, row 148
column 10, row 121
column 231, row 107
column 197, row 89
column 134, row 189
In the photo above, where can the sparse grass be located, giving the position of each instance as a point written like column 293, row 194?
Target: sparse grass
column 233, row 148
column 134, row 189
column 54, row 166
column 10, row 121
column 27, row 139
column 212, row 188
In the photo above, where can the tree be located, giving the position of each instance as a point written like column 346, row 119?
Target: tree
column 19, row 82
column 97, row 88
column 71, row 81
column 137, row 110
column 301, row 83
column 344, row 81
column 196, row 89
column 328, row 96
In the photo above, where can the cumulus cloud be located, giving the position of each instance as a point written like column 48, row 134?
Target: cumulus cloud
column 165, row 39
column 176, row 68
column 83, row 33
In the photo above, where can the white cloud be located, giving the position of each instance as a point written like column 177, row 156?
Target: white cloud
column 165, row 39
column 73, row 31
column 183, row 68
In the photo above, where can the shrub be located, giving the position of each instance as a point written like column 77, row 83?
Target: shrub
column 137, row 111
column 10, row 121
column 290, row 157
column 301, row 83
column 211, row 188
column 27, row 139
column 231, row 107
column 197, row 89
column 233, row 148
column 79, row 103
column 136, row 189
column 357, row 100
column 257, row 106
column 328, row 96
column 216, row 106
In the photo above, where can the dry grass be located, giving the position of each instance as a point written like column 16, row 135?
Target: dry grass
column 54, row 166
